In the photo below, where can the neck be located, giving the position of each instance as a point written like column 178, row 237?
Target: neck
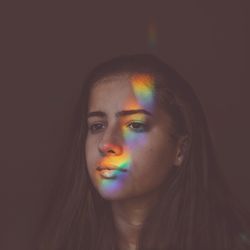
column 129, row 217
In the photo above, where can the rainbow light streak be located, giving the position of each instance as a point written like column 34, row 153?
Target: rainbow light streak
column 152, row 35
column 143, row 88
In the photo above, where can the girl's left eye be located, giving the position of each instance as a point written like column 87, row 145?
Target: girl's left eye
column 138, row 126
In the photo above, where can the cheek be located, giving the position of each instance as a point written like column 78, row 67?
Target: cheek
column 152, row 162
column 90, row 153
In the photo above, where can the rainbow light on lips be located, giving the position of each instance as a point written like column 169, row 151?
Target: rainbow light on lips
column 122, row 161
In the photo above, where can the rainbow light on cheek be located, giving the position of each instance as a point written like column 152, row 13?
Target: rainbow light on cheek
column 134, row 139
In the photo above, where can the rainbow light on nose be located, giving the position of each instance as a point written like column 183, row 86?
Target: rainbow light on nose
column 121, row 161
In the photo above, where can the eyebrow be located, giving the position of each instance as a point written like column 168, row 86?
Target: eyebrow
column 120, row 113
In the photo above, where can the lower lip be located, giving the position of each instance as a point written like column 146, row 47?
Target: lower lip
column 110, row 173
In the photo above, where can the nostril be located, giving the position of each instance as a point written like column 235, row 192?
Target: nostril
column 110, row 149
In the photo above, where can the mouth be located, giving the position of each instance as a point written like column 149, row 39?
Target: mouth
column 110, row 172
column 101, row 168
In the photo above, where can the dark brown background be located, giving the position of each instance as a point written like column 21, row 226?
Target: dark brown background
column 46, row 49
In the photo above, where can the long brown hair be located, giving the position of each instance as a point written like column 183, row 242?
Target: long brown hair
column 196, row 209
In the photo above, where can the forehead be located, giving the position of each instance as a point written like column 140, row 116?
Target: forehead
column 122, row 91
column 114, row 94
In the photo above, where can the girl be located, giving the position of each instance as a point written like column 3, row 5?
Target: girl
column 142, row 173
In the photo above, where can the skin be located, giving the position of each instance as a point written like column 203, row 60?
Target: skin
column 151, row 153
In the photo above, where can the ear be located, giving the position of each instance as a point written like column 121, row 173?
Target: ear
column 181, row 150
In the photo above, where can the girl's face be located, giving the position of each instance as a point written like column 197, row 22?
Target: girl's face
column 129, row 150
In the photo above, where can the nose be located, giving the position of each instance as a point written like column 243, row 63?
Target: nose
column 110, row 149
column 111, row 143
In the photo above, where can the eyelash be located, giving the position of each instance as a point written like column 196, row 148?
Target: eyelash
column 143, row 127
column 91, row 127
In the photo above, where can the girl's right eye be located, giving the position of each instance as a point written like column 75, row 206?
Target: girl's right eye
column 96, row 127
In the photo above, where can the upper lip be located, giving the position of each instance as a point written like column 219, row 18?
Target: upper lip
column 100, row 168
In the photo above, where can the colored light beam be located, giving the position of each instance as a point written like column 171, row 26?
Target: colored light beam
column 143, row 88
column 152, row 35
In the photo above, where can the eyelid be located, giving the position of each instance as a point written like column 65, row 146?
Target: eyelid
column 95, row 122
column 91, row 124
column 145, row 125
column 135, row 121
column 142, row 122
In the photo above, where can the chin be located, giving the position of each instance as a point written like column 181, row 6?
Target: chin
column 112, row 189
column 113, row 192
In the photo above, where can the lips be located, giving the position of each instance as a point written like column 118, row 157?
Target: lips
column 102, row 168
column 108, row 174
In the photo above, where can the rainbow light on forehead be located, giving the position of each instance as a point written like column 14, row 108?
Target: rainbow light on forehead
column 143, row 89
